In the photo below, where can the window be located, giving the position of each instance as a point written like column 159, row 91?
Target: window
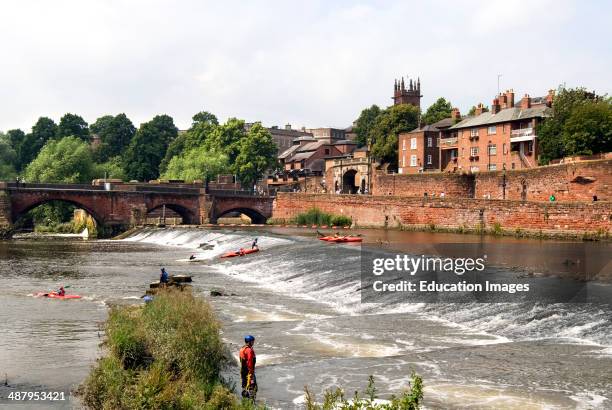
column 473, row 151
column 428, row 159
column 505, row 149
column 492, row 167
column 474, row 169
column 404, row 160
column 429, row 142
column 326, row 151
column 492, row 130
column 492, row 149
column 413, row 143
column 474, row 132
column 413, row 161
column 513, row 165
column 404, row 144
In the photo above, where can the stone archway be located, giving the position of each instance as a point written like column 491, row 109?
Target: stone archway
column 348, row 182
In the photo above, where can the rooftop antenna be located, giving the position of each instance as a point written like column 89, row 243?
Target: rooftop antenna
column 498, row 77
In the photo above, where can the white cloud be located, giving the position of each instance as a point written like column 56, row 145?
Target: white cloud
column 314, row 63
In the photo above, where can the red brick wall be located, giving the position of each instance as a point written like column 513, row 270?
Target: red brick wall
column 390, row 211
column 453, row 185
column 568, row 182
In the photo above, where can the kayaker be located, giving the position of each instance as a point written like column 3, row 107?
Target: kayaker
column 254, row 245
column 247, row 368
column 163, row 277
column 61, row 291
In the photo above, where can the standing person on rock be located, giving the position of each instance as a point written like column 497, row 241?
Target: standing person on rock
column 247, row 368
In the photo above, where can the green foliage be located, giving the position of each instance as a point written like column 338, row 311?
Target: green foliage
column 167, row 354
column 588, row 130
column 15, row 139
column 148, row 147
column 202, row 126
column 226, row 138
column 44, row 130
column 315, row 216
column 473, row 110
column 67, row 160
column 8, row 159
column 73, row 125
column 439, row 110
column 558, row 137
column 196, row 163
column 257, row 153
column 365, row 123
column 113, row 168
column 115, row 135
column 410, row 399
column 388, row 125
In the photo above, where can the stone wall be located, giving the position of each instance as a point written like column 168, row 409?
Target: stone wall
column 5, row 213
column 568, row 182
column 454, row 213
column 453, row 185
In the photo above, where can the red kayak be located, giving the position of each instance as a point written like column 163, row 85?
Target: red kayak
column 245, row 252
column 343, row 239
column 55, row 295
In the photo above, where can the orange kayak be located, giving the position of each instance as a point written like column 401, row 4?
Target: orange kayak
column 343, row 239
column 234, row 254
column 55, row 295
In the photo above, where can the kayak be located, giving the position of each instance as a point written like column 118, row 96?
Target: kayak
column 54, row 295
column 233, row 254
column 343, row 239
column 326, row 238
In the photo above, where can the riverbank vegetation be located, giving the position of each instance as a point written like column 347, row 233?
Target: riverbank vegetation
column 410, row 399
column 166, row 354
column 315, row 216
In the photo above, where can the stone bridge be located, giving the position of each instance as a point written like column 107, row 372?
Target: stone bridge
column 124, row 205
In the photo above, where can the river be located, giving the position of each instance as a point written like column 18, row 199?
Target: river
column 300, row 299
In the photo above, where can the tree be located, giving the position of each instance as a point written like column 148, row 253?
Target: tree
column 388, row 125
column 115, row 134
column 66, row 160
column 204, row 123
column 8, row 158
column 113, row 168
column 588, row 130
column 472, row 111
column 551, row 130
column 257, row 153
column 439, row 110
column 73, row 125
column 44, row 130
column 15, row 138
column 226, row 138
column 148, row 148
column 196, row 163
column 364, row 124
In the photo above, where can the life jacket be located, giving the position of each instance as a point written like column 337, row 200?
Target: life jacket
column 247, row 359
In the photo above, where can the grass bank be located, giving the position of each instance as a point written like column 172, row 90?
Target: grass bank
column 166, row 354
column 315, row 216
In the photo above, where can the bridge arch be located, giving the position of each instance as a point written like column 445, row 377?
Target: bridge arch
column 18, row 212
column 186, row 214
column 256, row 216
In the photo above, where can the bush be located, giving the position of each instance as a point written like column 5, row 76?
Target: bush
column 167, row 354
column 315, row 216
column 335, row 399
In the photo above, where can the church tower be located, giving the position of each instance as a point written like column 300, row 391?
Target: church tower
column 410, row 94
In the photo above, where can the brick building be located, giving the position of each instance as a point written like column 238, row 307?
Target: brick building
column 349, row 173
column 328, row 135
column 502, row 138
column 308, row 153
column 283, row 137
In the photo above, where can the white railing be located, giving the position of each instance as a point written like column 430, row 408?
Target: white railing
column 522, row 132
column 448, row 141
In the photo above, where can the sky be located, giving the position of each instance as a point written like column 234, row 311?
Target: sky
column 311, row 63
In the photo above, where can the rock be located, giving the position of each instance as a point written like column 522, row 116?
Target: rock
column 218, row 292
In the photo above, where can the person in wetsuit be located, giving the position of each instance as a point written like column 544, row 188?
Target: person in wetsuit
column 163, row 276
column 247, row 368
column 254, row 244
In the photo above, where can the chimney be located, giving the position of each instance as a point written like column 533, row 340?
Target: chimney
column 495, row 106
column 503, row 100
column 456, row 114
column 525, row 102
column 510, row 98
column 479, row 109
column 287, row 126
column 550, row 97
